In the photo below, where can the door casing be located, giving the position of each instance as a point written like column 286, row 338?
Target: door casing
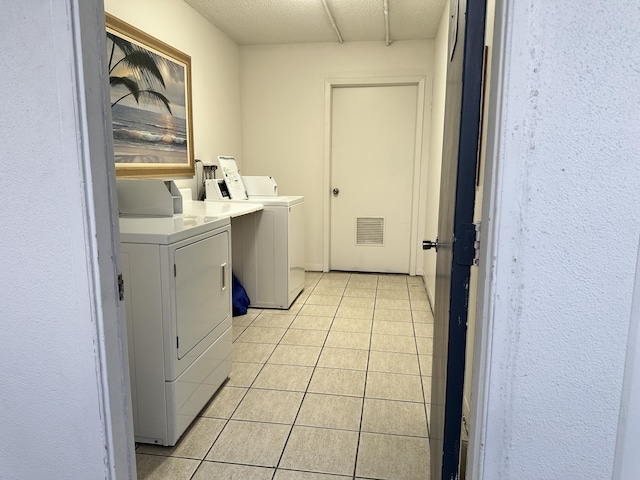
column 372, row 162
column 417, row 210
column 456, row 234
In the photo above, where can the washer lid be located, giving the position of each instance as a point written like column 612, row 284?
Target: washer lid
column 167, row 230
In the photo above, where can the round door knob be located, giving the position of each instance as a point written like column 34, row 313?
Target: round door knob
column 336, row 191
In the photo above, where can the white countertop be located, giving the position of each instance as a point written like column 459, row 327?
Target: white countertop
column 270, row 200
column 198, row 217
column 222, row 208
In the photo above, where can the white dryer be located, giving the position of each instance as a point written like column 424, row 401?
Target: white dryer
column 178, row 308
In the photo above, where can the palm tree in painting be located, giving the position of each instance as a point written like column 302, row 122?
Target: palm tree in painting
column 145, row 74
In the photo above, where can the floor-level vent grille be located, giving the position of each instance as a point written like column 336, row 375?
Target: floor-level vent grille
column 370, row 231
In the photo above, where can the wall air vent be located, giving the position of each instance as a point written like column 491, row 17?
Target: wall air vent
column 370, row 231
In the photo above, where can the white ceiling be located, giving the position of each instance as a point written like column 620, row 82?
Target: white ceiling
column 262, row 22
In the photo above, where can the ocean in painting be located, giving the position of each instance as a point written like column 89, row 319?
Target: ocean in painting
column 150, row 137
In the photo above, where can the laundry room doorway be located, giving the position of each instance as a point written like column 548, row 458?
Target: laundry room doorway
column 373, row 143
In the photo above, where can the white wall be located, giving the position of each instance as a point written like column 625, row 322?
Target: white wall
column 562, row 237
column 62, row 397
column 283, row 88
column 440, row 62
column 214, row 67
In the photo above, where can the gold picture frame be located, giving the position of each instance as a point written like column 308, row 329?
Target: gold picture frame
column 150, row 93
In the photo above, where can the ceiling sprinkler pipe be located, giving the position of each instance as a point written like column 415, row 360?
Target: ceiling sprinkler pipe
column 387, row 42
column 332, row 20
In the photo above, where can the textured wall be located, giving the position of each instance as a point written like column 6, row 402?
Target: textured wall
column 564, row 212
column 51, row 417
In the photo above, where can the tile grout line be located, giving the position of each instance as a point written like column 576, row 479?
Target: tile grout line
column 226, row 421
column 364, row 393
column 241, row 399
column 246, row 392
column 304, row 396
column 413, row 323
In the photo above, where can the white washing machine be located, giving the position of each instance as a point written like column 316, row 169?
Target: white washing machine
column 268, row 251
column 268, row 246
column 177, row 285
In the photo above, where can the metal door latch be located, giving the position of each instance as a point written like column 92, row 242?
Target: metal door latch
column 428, row 245
column 120, row 287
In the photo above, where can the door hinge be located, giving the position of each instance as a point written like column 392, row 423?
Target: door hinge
column 178, row 343
column 120, row 287
column 175, row 270
column 466, row 243
column 476, row 244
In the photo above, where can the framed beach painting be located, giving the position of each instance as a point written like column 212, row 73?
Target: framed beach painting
column 150, row 89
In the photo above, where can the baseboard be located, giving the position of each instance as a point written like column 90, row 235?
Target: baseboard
column 429, row 295
column 313, row 267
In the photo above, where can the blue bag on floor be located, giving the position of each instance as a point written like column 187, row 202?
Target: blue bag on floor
column 239, row 298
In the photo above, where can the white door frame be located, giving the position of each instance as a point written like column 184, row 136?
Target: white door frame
column 103, row 235
column 416, row 208
column 86, row 218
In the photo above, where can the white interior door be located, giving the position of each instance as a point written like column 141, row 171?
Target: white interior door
column 372, row 157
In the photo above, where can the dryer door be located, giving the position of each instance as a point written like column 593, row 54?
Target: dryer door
column 202, row 283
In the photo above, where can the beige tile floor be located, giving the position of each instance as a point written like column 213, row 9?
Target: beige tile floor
column 336, row 387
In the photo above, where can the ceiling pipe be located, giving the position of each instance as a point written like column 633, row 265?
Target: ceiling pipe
column 331, row 19
column 387, row 42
